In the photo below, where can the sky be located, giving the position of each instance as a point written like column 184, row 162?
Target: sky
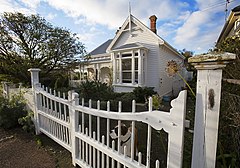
column 193, row 25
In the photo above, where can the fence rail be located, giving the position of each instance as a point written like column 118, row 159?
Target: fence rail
column 85, row 131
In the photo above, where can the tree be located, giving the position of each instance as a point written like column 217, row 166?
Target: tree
column 232, row 45
column 187, row 54
column 229, row 125
column 32, row 42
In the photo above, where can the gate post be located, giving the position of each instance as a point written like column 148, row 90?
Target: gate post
column 73, row 98
column 209, row 77
column 34, row 81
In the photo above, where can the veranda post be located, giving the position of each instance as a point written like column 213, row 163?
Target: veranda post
column 209, row 76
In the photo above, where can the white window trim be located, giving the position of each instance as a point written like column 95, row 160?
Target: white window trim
column 118, row 73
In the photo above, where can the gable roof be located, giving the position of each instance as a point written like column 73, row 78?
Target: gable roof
column 107, row 46
column 236, row 9
column 229, row 24
column 102, row 48
column 144, row 27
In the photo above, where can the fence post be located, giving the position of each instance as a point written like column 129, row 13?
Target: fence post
column 209, row 69
column 73, row 98
column 35, row 83
column 6, row 92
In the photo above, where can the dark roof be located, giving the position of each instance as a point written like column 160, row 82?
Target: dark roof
column 132, row 45
column 236, row 9
column 102, row 48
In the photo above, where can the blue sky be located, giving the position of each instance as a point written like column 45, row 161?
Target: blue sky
column 191, row 24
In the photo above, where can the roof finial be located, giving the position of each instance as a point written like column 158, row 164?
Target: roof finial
column 129, row 7
column 130, row 22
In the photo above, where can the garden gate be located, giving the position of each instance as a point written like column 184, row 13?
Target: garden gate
column 70, row 123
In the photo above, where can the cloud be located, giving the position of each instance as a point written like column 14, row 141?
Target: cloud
column 14, row 6
column 191, row 27
column 184, row 24
column 113, row 14
column 33, row 4
column 51, row 16
column 102, row 12
column 202, row 27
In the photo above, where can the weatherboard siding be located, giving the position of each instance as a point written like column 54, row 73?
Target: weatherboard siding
column 168, row 85
column 152, row 61
column 156, row 61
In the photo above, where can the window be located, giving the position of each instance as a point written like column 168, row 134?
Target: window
column 136, row 70
column 127, row 70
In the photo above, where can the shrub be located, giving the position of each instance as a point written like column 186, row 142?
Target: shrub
column 11, row 110
column 27, row 123
column 95, row 90
column 142, row 93
column 156, row 101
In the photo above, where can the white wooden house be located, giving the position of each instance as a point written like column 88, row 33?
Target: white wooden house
column 231, row 26
column 136, row 56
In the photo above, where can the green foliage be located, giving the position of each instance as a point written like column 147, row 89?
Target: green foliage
column 231, row 44
column 156, row 101
column 229, row 121
column 95, row 90
column 27, row 123
column 226, row 160
column 142, row 93
column 11, row 110
column 39, row 142
column 187, row 54
column 29, row 41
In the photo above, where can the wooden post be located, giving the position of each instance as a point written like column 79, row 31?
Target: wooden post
column 209, row 77
column 35, row 83
column 73, row 97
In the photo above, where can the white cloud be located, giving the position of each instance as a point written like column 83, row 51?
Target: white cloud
column 203, row 4
column 31, row 3
column 201, row 28
column 113, row 14
column 199, row 32
column 103, row 12
column 51, row 16
column 13, row 6
column 181, row 24
column 191, row 27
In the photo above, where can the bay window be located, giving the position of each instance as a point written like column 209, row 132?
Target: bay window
column 128, row 67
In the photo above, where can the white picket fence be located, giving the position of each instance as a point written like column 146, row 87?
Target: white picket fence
column 71, row 124
column 79, row 129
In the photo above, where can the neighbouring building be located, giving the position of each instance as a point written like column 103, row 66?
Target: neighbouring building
column 232, row 25
column 135, row 57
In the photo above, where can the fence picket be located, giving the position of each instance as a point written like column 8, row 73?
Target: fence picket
column 90, row 119
column 133, row 131
column 108, row 129
column 94, row 151
column 64, row 108
column 139, row 158
column 149, row 136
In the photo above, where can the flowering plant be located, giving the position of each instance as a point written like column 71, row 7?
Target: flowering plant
column 173, row 68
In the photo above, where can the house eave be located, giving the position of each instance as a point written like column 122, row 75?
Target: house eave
column 227, row 27
column 172, row 49
column 129, row 49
